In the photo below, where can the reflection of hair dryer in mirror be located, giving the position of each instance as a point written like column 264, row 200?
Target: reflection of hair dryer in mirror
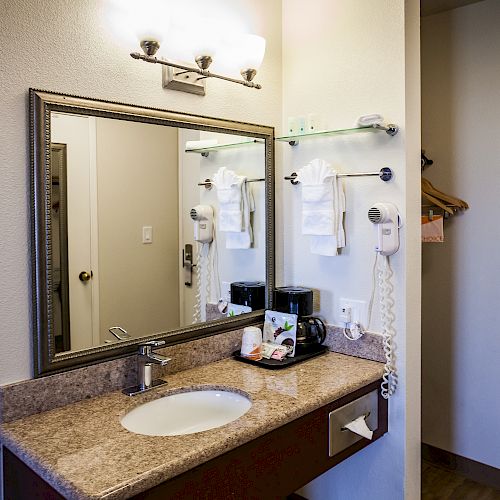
column 387, row 222
column 203, row 217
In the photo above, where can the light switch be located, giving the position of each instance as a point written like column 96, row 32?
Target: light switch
column 147, row 234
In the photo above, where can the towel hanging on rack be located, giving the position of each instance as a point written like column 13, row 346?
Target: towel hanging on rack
column 236, row 202
column 323, row 207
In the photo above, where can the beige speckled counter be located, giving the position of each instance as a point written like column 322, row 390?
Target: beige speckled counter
column 84, row 453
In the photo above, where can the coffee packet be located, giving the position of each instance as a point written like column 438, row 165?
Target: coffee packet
column 281, row 328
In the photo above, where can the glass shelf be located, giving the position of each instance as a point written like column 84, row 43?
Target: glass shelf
column 220, row 147
column 294, row 139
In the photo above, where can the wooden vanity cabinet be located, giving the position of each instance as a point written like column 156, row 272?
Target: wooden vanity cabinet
column 269, row 467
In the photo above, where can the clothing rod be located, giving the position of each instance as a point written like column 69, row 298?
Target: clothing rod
column 441, row 208
column 208, row 182
column 385, row 174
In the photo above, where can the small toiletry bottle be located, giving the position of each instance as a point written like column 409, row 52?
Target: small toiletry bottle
column 251, row 343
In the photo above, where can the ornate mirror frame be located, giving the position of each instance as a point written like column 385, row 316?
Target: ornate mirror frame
column 42, row 103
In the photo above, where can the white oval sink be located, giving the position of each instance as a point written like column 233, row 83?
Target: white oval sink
column 186, row 413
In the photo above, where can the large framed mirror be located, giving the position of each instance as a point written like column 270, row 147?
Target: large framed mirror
column 146, row 224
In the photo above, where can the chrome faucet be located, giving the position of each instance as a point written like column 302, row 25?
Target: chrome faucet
column 146, row 358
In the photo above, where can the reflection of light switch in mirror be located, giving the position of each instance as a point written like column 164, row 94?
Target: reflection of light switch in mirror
column 147, row 234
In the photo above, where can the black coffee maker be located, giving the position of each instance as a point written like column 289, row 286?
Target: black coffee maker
column 311, row 331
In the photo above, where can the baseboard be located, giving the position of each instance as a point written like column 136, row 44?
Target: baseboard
column 476, row 471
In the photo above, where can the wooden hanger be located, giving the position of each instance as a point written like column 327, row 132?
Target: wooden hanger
column 429, row 189
column 438, row 203
column 448, row 203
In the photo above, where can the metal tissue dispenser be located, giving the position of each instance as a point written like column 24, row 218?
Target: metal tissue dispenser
column 311, row 331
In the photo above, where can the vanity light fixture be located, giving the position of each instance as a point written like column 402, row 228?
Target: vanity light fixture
column 250, row 51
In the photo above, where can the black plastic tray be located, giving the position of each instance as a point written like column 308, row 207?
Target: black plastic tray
column 274, row 364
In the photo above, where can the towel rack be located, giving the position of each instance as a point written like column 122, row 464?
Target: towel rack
column 208, row 183
column 385, row 174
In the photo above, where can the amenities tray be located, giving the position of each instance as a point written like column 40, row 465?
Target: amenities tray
column 274, row 364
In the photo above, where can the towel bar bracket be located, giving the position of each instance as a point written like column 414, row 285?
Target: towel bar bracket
column 391, row 129
column 385, row 174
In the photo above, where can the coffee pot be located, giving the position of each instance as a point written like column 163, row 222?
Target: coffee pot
column 311, row 331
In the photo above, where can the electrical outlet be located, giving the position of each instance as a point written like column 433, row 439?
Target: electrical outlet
column 356, row 308
column 345, row 314
column 226, row 291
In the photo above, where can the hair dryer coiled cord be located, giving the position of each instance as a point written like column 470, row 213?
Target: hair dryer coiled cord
column 197, row 299
column 387, row 316
column 202, row 274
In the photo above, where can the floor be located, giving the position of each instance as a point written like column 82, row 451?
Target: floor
column 441, row 484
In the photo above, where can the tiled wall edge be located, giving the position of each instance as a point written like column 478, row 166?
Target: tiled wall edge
column 369, row 346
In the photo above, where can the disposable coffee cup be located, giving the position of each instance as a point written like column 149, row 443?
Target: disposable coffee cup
column 251, row 343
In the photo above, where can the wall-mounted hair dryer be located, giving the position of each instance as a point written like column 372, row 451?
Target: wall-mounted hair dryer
column 203, row 217
column 387, row 222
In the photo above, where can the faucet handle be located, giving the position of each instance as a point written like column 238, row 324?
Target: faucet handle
column 147, row 347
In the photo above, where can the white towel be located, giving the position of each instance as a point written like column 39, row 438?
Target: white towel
column 244, row 238
column 236, row 202
column 229, row 194
column 369, row 120
column 323, row 206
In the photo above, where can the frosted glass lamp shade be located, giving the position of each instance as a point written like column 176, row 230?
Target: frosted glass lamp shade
column 204, row 42
column 252, row 50
column 151, row 23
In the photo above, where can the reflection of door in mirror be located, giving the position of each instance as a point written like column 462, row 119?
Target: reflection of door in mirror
column 60, row 292
column 122, row 227
column 77, row 133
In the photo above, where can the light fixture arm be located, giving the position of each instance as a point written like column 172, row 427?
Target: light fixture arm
column 188, row 69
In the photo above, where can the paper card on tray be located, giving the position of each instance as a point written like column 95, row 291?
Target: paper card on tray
column 281, row 328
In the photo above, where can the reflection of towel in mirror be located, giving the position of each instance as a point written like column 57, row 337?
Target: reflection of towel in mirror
column 323, row 206
column 229, row 193
column 235, row 204
column 244, row 238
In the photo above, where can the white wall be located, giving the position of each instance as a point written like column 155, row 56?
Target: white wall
column 71, row 49
column 341, row 60
column 136, row 187
column 460, row 342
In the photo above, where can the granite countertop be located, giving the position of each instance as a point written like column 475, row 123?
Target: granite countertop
column 84, row 453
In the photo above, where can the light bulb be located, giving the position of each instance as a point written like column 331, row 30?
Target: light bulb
column 204, row 39
column 151, row 23
column 251, row 51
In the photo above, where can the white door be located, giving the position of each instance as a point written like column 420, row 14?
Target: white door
column 78, row 133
